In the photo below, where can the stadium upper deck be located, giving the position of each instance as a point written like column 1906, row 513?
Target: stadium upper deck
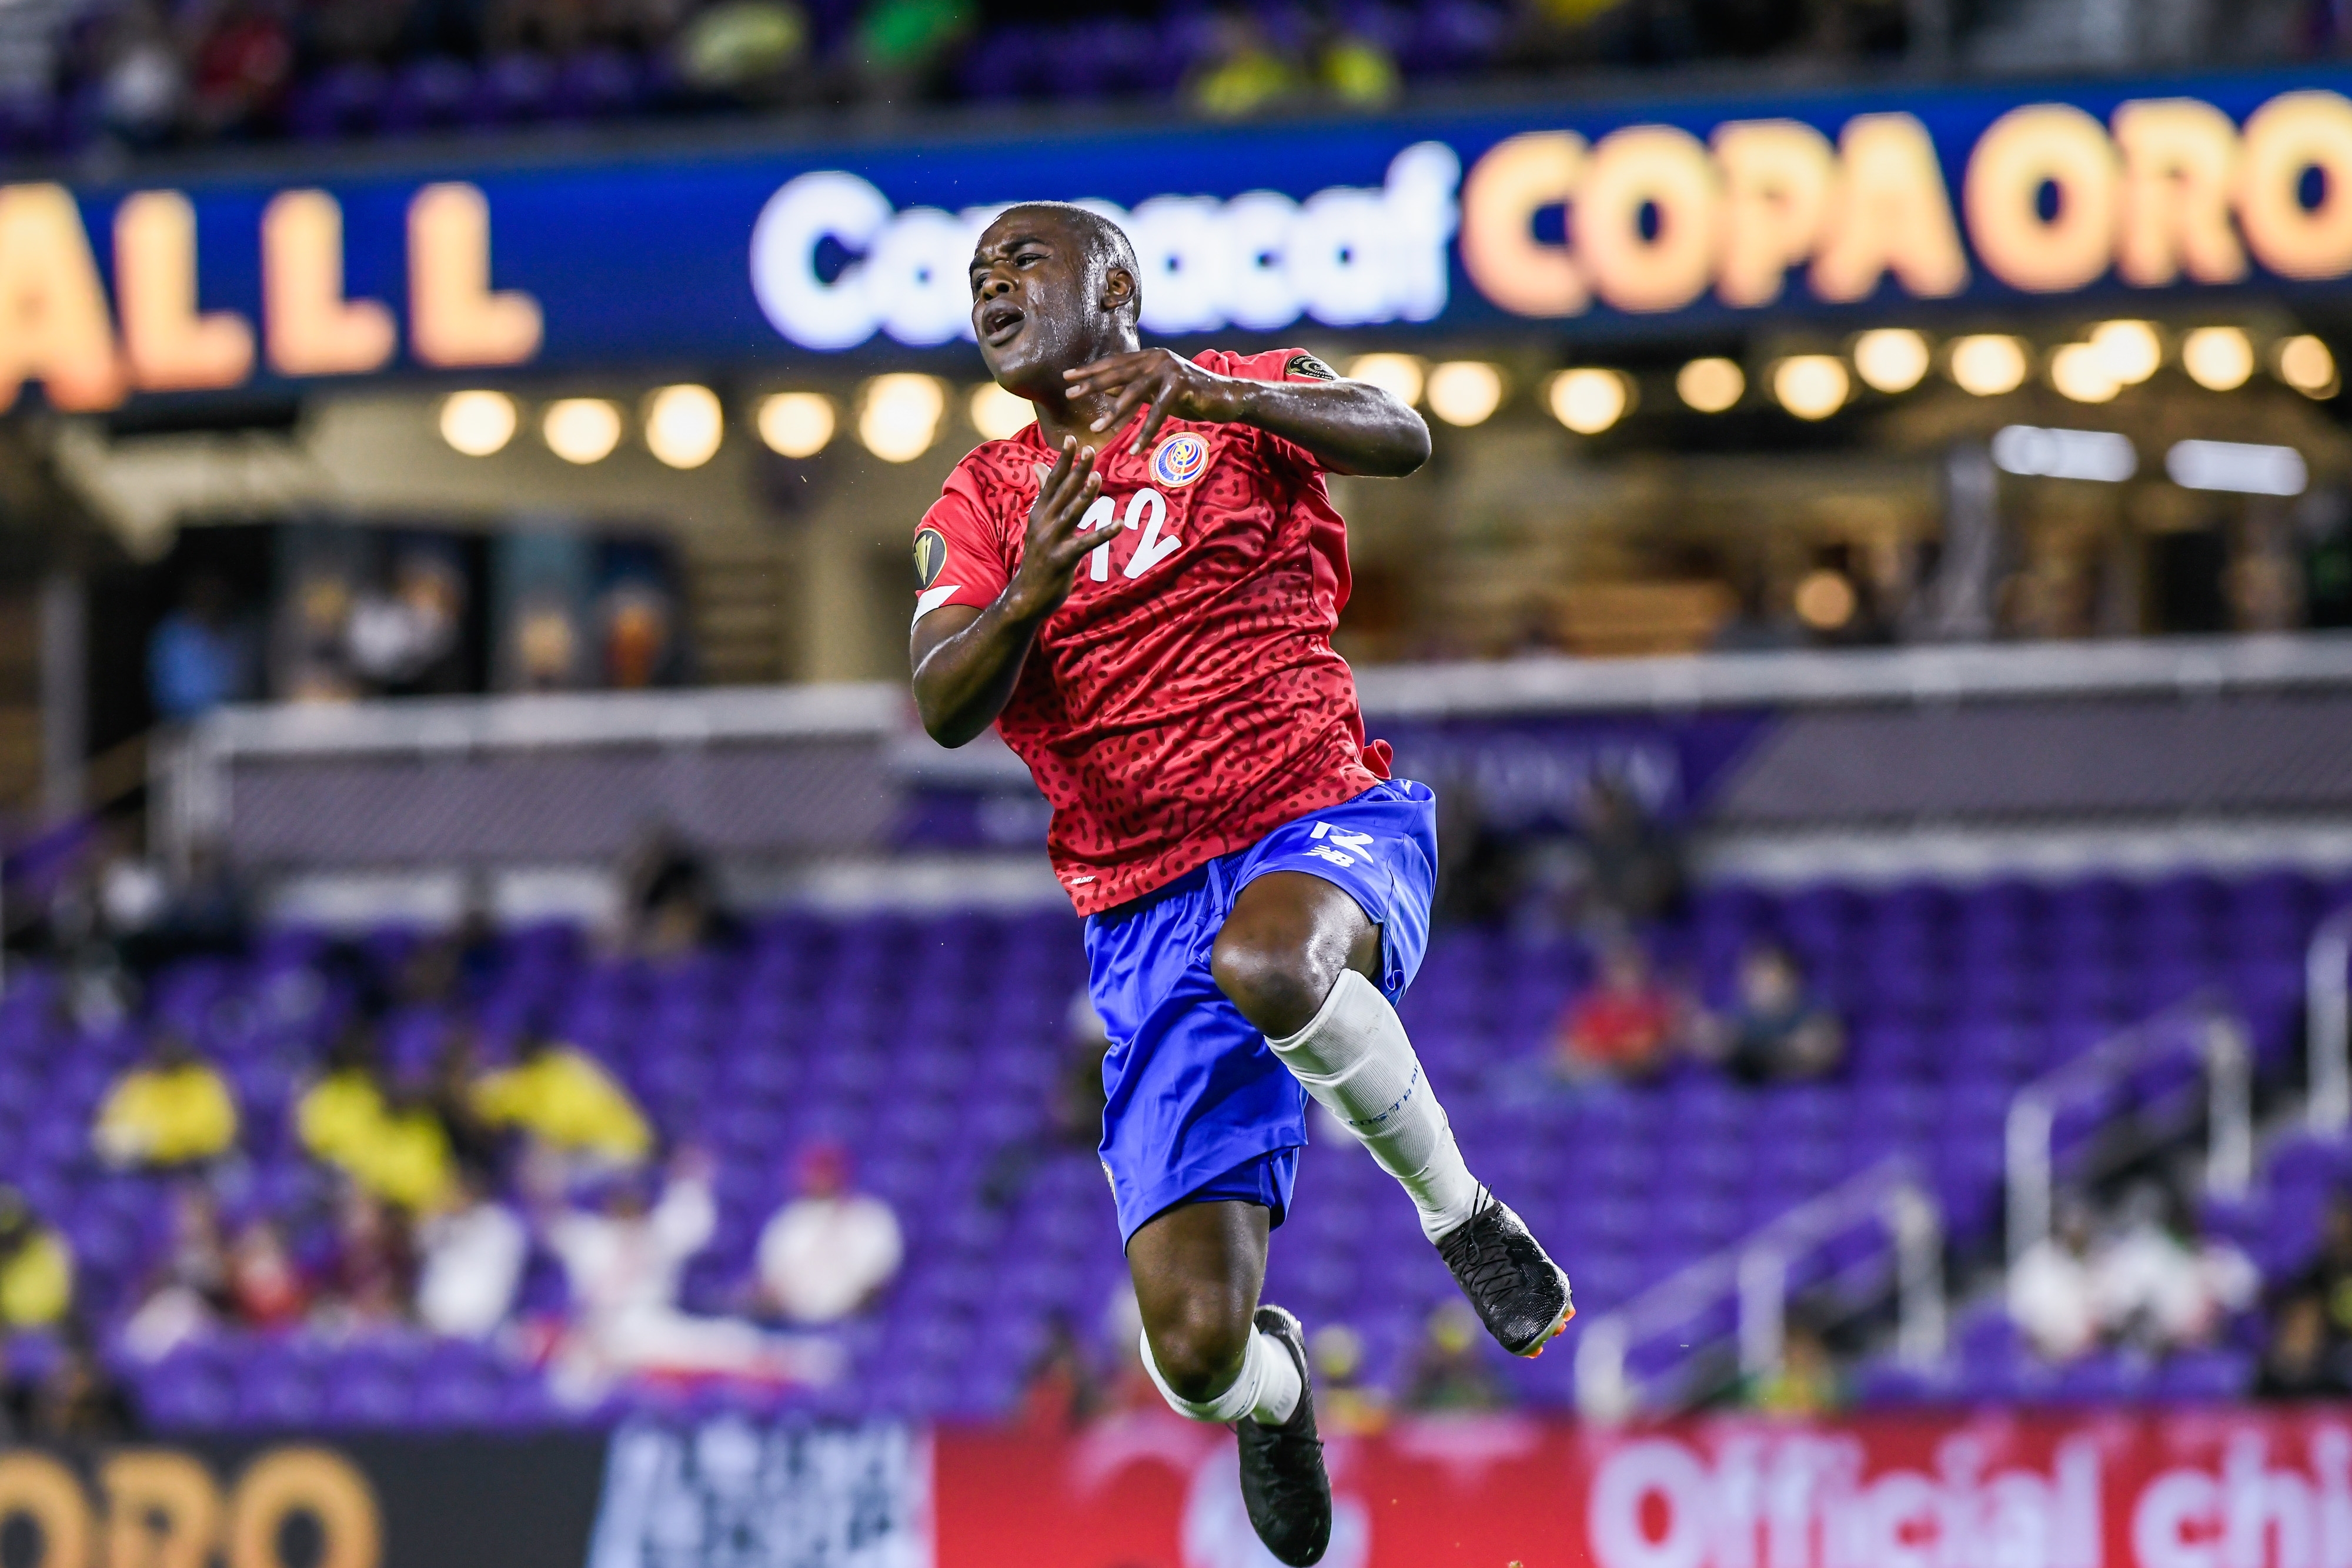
column 143, row 76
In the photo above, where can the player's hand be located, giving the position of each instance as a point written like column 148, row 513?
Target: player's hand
column 1169, row 385
column 1053, row 547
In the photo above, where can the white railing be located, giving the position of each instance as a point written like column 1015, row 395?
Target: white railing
column 2220, row 1042
column 2165, row 666
column 1754, row 1274
column 2327, row 1006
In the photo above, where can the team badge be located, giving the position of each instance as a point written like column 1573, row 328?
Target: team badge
column 931, row 556
column 1179, row 459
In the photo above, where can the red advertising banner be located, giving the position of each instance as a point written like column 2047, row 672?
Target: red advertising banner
column 2191, row 1487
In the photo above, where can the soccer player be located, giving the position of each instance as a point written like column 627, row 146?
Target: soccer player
column 1139, row 591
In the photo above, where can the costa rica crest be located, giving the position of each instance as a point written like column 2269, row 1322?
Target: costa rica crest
column 1179, row 459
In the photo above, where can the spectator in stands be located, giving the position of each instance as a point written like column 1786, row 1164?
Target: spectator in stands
column 265, row 1287
column 625, row 1265
column 2329, row 1277
column 2052, row 1296
column 450, row 1091
column 405, row 638
column 2300, row 1361
column 1807, row 1381
column 197, row 657
column 36, row 1268
column 75, row 1401
column 903, row 46
column 455, row 964
column 190, row 1292
column 1632, row 871
column 1344, row 1403
column 673, row 901
column 1243, row 73
column 391, row 1143
column 563, row 1099
column 1061, row 1391
column 829, row 1251
column 1626, row 1027
column 753, row 51
column 141, row 84
column 371, row 1280
column 1452, row 1370
column 244, row 63
column 205, row 912
column 172, row 1108
column 473, row 1258
column 1779, row 1030
column 2161, row 1286
column 1355, row 70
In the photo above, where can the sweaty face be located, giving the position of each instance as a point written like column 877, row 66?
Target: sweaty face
column 1033, row 301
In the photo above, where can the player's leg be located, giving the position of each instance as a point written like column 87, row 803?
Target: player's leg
column 1217, row 1355
column 1291, row 939
column 1197, row 1271
column 1297, row 956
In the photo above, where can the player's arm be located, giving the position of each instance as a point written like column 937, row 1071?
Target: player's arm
column 1350, row 427
column 966, row 660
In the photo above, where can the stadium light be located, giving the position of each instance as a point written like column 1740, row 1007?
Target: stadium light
column 1811, row 386
column 2307, row 364
column 1988, row 364
column 796, row 424
column 684, row 425
column 1825, row 600
column 2099, row 454
column 1710, row 385
column 899, row 416
column 2237, row 465
column 2217, row 359
column 1588, row 401
column 999, row 414
column 2079, row 371
column 1398, row 374
column 1464, row 391
column 581, row 429
column 1891, row 358
column 478, row 423
column 2130, row 350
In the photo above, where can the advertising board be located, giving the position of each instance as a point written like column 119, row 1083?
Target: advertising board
column 1592, row 219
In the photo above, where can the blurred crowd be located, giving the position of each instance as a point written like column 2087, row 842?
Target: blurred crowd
column 2138, row 1276
column 518, row 1198
column 351, row 613
column 153, row 73
column 2307, row 1350
column 497, row 1183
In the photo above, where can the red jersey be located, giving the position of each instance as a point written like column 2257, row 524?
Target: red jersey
column 1185, row 700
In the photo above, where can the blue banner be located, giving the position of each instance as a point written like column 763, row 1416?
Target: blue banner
column 1855, row 207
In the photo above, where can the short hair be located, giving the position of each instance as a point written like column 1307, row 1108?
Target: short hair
column 1106, row 241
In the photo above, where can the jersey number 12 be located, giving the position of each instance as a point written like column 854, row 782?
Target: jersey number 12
column 1146, row 509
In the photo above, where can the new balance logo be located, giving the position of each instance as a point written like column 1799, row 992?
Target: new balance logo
column 1339, row 844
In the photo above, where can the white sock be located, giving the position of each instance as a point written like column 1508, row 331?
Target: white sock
column 1355, row 1059
column 1268, row 1388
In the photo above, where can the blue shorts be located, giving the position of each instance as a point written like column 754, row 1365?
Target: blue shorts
column 1199, row 1107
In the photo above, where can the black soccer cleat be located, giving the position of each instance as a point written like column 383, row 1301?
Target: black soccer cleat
column 1520, row 1294
column 1283, row 1482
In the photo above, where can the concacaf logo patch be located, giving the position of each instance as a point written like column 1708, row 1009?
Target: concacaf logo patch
column 1179, row 459
column 931, row 556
